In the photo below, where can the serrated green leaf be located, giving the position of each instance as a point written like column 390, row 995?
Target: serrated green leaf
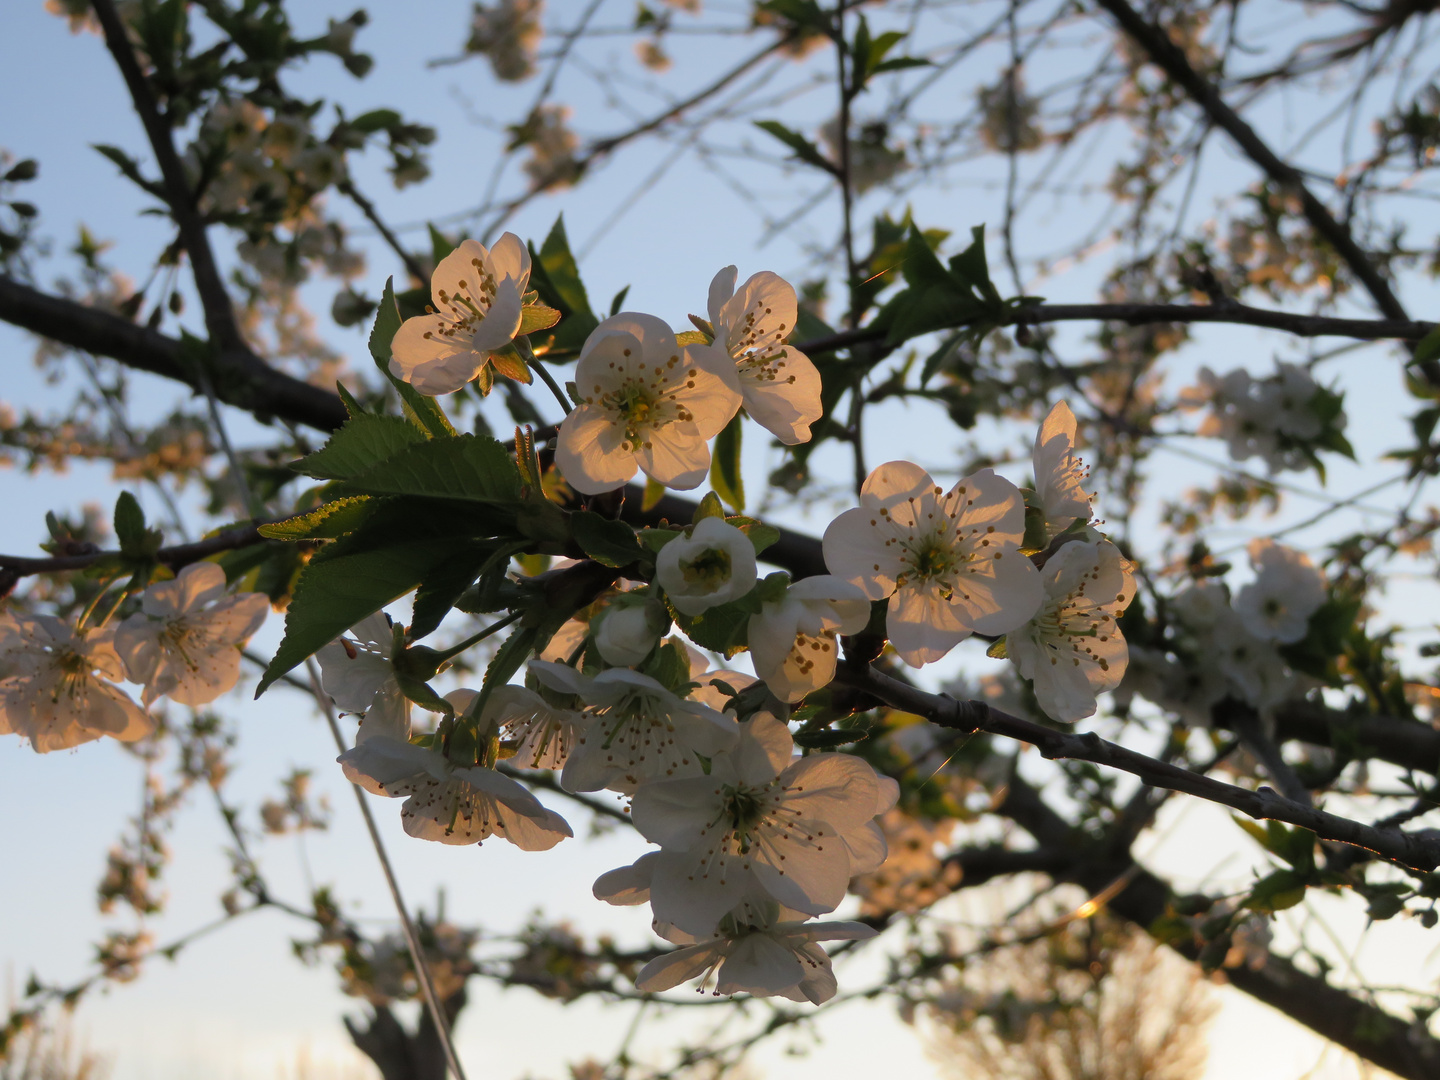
column 724, row 629
column 427, row 413
column 998, row 650
column 691, row 337
column 353, row 408
column 725, row 476
column 360, row 444
column 611, row 543
column 469, row 468
column 444, row 585
column 535, row 317
column 345, row 582
column 328, row 522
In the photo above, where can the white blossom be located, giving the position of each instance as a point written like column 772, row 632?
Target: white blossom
column 633, row 729
column 1072, row 648
column 780, row 386
column 767, row 953
column 185, row 641
column 58, row 688
column 357, row 674
column 713, row 565
column 1059, row 474
column 792, row 640
column 537, row 734
column 628, row 628
column 509, row 34
column 1287, row 590
column 950, row 562
column 759, row 825
column 448, row 803
column 644, row 402
column 477, row 301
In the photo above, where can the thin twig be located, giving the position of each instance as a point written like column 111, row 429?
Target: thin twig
column 412, row 939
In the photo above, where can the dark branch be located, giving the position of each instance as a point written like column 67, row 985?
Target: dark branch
column 237, row 536
column 1361, row 1027
column 1412, row 851
column 246, row 382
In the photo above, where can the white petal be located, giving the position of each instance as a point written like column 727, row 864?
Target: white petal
column 722, row 287
column 592, row 453
column 860, row 548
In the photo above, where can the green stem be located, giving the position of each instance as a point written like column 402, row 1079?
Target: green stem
column 474, row 639
column 95, row 601
column 549, row 380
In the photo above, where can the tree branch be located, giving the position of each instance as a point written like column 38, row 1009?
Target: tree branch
column 246, row 381
column 237, row 536
column 1408, row 850
column 1365, row 1029
column 1171, row 59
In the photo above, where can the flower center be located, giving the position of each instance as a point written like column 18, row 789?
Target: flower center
column 708, row 571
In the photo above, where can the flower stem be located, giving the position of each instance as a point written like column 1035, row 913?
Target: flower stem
column 412, row 939
column 95, row 601
column 475, row 639
column 549, row 380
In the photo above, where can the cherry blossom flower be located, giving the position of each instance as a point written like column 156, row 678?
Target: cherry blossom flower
column 950, row 562
column 1059, row 474
column 634, row 729
column 780, row 386
column 773, row 953
column 627, row 630
column 1072, row 649
column 1287, row 590
column 759, row 825
column 448, row 803
column 792, row 640
column 539, row 735
column 357, row 674
column 644, row 402
column 58, row 688
column 184, row 642
column 713, row 565
column 477, row 301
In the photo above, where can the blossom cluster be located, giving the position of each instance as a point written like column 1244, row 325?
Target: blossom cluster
column 1277, row 418
column 1229, row 647
column 59, row 684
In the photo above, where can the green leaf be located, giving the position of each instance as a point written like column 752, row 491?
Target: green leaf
column 611, row 543
column 376, row 120
column 127, row 166
column 709, row 506
column 654, row 492
column 556, row 277
column 361, row 443
column 1276, row 892
column 1428, row 348
column 427, row 413
column 444, row 585
column 725, row 475
column 130, row 528
column 535, row 317
column 440, row 244
column 328, row 522
column 345, row 582
column 723, row 629
column 353, row 408
column 829, row 738
column 617, row 305
column 900, row 63
column 471, row 468
column 998, row 650
column 804, row 149
column 669, row 665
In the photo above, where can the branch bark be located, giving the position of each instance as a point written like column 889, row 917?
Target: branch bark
column 245, row 381
column 1365, row 1029
column 1408, row 850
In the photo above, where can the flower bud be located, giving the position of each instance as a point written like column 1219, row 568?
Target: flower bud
column 713, row 565
column 627, row 630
